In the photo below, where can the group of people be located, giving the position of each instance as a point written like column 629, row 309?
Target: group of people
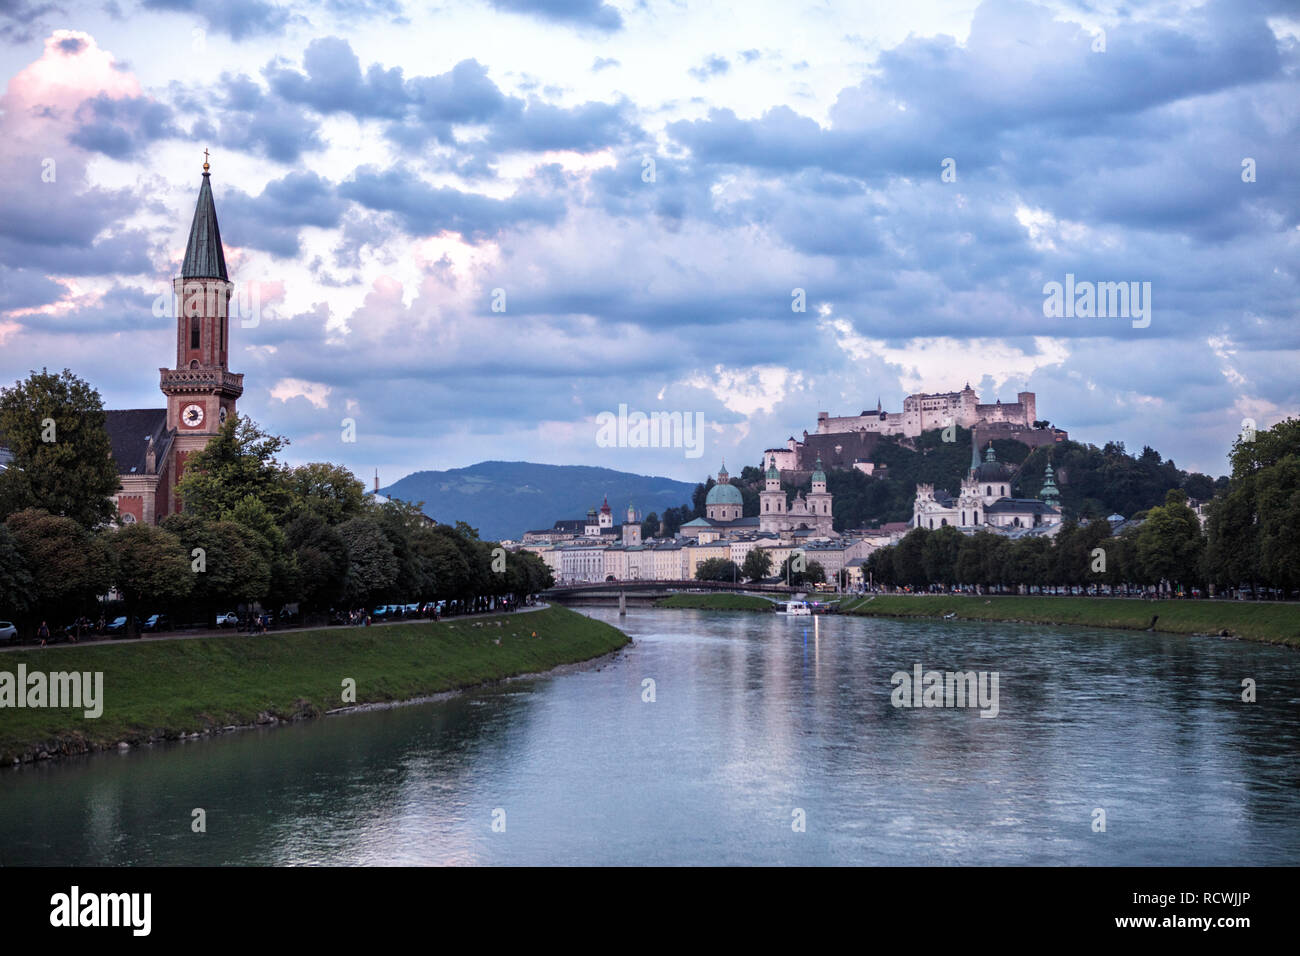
column 78, row 629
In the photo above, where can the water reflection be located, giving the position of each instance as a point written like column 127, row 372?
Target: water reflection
column 754, row 717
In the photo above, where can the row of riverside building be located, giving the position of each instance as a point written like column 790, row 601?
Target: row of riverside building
column 597, row 549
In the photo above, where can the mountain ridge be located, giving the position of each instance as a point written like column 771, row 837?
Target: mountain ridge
column 503, row 499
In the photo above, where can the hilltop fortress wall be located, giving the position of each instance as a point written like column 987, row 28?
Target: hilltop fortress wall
column 926, row 411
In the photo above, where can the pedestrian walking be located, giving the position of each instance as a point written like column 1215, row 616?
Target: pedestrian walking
column 43, row 632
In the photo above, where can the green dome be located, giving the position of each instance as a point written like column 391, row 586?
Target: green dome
column 724, row 495
column 818, row 474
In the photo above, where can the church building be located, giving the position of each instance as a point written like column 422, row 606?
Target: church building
column 985, row 503
column 150, row 445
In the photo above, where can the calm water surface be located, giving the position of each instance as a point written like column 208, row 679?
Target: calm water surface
column 755, row 716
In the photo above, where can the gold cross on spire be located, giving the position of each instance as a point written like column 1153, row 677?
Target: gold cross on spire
column 205, row 160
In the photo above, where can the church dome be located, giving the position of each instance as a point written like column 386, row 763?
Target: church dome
column 991, row 469
column 724, row 495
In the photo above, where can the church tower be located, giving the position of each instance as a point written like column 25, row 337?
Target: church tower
column 771, row 499
column 819, row 499
column 201, row 390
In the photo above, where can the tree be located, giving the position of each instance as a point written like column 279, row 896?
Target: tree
column 69, row 566
column 650, row 526
column 226, row 559
column 812, row 571
column 404, row 524
column 149, row 566
column 717, row 569
column 330, row 491
column 1279, row 524
column 237, row 463
column 757, row 564
column 880, row 567
column 1169, row 543
column 54, row 426
column 908, row 555
column 939, row 556
column 372, row 565
column 18, row 592
column 322, row 558
column 1251, row 527
column 284, row 584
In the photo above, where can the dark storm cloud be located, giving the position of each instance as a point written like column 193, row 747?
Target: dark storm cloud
column 333, row 82
column 425, row 210
column 120, row 309
column 541, row 126
column 428, row 108
column 20, row 20
column 263, row 124
column 588, row 13
column 273, row 219
column 238, row 19
column 26, row 289
column 121, row 127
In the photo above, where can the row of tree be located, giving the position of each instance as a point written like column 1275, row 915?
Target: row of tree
column 1167, row 548
column 1251, row 538
column 253, row 529
column 757, row 566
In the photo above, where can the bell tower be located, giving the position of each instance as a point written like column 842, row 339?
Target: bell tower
column 201, row 390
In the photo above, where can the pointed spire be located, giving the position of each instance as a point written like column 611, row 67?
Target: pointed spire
column 204, row 257
column 1049, row 493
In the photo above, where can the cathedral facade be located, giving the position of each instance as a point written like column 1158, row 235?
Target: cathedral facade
column 984, row 502
column 150, row 445
column 811, row 512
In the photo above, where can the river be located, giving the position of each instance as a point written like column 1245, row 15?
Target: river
column 759, row 724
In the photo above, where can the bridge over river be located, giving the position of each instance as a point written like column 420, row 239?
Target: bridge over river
column 646, row 593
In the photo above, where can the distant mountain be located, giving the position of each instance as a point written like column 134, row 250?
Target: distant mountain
column 503, row 499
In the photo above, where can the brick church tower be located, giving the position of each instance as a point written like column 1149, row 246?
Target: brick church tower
column 201, row 390
column 150, row 446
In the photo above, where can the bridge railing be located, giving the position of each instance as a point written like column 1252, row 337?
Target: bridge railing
column 642, row 584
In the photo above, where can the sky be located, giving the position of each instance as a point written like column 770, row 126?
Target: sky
column 471, row 229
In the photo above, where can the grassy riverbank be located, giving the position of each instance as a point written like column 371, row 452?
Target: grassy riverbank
column 718, row 602
column 162, row 689
column 1266, row 622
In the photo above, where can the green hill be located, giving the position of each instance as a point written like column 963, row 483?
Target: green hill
column 503, row 499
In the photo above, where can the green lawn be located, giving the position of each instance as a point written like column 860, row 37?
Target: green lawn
column 166, row 688
column 1268, row 622
column 718, row 602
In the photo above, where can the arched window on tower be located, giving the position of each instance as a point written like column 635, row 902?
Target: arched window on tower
column 989, row 491
column 194, row 331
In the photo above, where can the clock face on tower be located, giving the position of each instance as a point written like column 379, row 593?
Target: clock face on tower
column 192, row 415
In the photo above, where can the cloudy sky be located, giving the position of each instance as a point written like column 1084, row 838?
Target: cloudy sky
column 647, row 183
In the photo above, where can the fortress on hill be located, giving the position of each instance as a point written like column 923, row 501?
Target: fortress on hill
column 849, row 441
column 924, row 412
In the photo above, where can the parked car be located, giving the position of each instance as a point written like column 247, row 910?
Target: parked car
column 117, row 626
column 228, row 619
column 157, row 622
column 8, row 633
